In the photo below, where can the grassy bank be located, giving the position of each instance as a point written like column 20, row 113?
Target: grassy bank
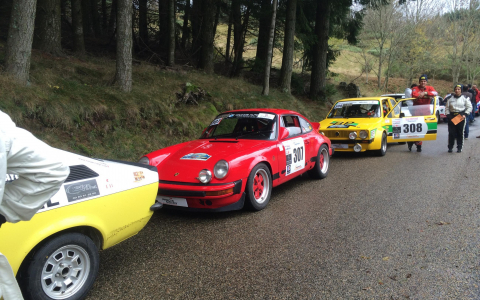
column 71, row 104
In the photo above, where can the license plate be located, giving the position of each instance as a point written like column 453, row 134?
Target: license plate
column 341, row 146
column 172, row 201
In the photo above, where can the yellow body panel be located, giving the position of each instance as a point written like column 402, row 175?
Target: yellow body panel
column 117, row 217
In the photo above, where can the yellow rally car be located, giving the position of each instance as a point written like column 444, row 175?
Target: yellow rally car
column 361, row 124
column 55, row 254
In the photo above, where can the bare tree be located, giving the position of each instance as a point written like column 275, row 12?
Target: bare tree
column 171, row 32
column 266, row 79
column 123, row 75
column 19, row 41
column 318, row 78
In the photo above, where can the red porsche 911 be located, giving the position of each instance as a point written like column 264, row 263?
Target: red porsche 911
column 238, row 159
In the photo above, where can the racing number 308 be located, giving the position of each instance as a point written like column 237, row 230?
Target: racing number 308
column 412, row 127
column 297, row 154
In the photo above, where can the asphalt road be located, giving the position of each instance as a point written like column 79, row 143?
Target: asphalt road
column 402, row 226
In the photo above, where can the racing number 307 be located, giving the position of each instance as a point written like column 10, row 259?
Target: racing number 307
column 407, row 128
column 297, row 154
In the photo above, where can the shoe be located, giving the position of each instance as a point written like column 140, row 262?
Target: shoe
column 466, row 138
column 450, row 150
column 459, row 151
column 410, row 147
column 419, row 149
column 478, row 137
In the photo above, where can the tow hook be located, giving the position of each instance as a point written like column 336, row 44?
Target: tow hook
column 156, row 206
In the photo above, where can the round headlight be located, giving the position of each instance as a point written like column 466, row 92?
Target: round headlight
column 205, row 176
column 357, row 148
column 352, row 135
column 363, row 134
column 144, row 160
column 221, row 169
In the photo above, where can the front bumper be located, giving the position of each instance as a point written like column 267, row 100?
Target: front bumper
column 347, row 145
column 195, row 196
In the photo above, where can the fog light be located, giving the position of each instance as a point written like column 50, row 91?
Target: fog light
column 357, row 148
column 363, row 134
column 352, row 135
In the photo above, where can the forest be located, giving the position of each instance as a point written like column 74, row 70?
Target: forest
column 101, row 71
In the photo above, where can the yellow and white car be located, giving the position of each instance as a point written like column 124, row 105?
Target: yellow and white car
column 55, row 254
column 363, row 124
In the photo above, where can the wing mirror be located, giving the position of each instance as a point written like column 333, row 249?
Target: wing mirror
column 316, row 126
column 283, row 133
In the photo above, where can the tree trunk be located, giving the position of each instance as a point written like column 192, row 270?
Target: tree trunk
column 77, row 24
column 207, row 36
column 266, row 79
column 47, row 34
column 112, row 24
column 19, row 41
column 185, row 29
column 5, row 13
column 87, row 18
column 104, row 16
column 123, row 75
column 288, row 43
column 239, row 32
column 263, row 35
column 319, row 67
column 217, row 17
column 197, row 23
column 171, row 33
column 142, row 22
column 97, row 26
column 163, row 24
column 229, row 36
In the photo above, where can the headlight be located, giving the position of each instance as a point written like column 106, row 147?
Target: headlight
column 221, row 169
column 363, row 134
column 352, row 135
column 144, row 160
column 205, row 176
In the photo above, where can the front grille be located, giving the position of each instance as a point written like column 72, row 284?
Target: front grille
column 80, row 172
column 341, row 133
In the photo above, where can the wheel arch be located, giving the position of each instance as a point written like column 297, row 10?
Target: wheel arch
column 93, row 233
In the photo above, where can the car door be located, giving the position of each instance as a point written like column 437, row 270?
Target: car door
column 293, row 149
column 409, row 122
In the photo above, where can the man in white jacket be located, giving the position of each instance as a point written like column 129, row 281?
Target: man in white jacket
column 40, row 176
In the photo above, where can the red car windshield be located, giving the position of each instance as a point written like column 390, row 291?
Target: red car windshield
column 239, row 125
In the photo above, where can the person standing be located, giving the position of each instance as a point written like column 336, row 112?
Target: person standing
column 408, row 91
column 468, row 95
column 457, row 104
column 40, row 176
column 472, row 91
column 423, row 94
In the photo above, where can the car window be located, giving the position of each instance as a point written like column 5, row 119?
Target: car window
column 356, row 109
column 409, row 108
column 292, row 124
column 306, row 127
column 239, row 125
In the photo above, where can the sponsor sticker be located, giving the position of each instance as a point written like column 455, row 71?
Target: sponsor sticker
column 266, row 116
column 138, row 176
column 196, row 156
column 216, row 122
column 81, row 190
column 294, row 155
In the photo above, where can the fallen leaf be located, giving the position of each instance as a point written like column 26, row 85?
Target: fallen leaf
column 408, row 275
column 394, row 277
column 386, row 258
column 367, row 288
column 380, row 282
column 442, row 223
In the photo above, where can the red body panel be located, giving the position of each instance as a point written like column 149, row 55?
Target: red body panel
column 178, row 175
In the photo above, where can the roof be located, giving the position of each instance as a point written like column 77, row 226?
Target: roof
column 270, row 110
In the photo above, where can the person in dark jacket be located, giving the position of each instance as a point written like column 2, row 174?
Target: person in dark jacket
column 457, row 104
column 474, row 102
column 468, row 95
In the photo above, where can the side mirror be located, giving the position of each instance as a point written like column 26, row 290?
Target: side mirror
column 316, row 126
column 283, row 133
column 402, row 115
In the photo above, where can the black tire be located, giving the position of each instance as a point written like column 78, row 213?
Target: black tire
column 438, row 117
column 383, row 148
column 63, row 258
column 322, row 164
column 259, row 187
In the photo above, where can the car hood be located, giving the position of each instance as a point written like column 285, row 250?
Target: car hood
column 349, row 124
column 185, row 164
